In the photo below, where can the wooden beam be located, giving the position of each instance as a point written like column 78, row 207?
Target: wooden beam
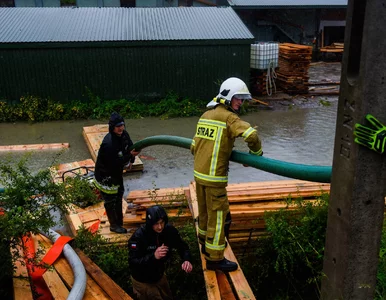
column 105, row 282
column 32, row 147
column 56, row 286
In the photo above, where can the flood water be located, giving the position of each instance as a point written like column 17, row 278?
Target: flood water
column 298, row 135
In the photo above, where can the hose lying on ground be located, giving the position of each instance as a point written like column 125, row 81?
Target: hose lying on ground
column 291, row 170
column 80, row 278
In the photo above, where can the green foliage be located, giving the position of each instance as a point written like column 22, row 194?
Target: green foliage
column 111, row 258
column 380, row 290
column 79, row 192
column 29, row 201
column 288, row 261
column 324, row 102
column 36, row 109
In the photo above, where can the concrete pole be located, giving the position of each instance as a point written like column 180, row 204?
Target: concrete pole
column 358, row 185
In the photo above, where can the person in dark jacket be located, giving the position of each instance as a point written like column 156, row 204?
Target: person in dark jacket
column 149, row 249
column 113, row 156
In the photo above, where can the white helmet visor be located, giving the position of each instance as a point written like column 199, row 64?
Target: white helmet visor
column 243, row 96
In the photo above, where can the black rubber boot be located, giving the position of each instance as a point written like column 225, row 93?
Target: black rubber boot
column 113, row 218
column 222, row 265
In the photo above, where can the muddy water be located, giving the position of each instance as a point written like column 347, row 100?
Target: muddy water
column 299, row 135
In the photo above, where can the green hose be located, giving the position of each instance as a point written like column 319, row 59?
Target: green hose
column 291, row 170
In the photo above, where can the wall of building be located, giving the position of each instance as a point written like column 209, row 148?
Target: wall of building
column 121, row 72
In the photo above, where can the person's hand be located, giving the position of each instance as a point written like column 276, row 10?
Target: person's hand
column 128, row 166
column 161, row 251
column 187, row 266
column 135, row 153
column 373, row 137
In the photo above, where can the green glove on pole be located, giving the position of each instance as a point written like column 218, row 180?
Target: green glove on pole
column 373, row 138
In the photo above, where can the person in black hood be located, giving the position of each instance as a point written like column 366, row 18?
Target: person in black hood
column 149, row 249
column 113, row 156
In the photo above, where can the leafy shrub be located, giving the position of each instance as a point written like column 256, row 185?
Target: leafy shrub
column 36, row 109
column 28, row 202
column 288, row 262
column 79, row 192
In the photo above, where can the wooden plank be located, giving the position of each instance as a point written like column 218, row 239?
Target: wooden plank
column 22, row 289
column 238, row 279
column 211, row 285
column 109, row 286
column 225, row 288
column 56, row 286
column 32, row 147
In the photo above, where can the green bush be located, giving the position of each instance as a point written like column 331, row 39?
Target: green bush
column 28, row 203
column 288, row 262
column 36, row 109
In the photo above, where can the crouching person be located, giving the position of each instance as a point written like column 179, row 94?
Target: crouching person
column 149, row 249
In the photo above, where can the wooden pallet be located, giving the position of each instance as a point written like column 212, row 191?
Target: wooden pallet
column 93, row 135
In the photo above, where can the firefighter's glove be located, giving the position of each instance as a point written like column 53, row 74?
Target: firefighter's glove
column 373, row 137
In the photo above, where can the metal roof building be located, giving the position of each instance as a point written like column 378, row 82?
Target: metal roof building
column 120, row 52
column 286, row 4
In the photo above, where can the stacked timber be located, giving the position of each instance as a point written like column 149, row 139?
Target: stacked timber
column 59, row 278
column 333, row 48
column 93, row 135
column 258, row 82
column 294, row 62
column 249, row 201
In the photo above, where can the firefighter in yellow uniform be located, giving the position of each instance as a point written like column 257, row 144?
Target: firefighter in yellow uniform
column 212, row 146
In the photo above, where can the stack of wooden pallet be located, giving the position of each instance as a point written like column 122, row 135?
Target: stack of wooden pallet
column 258, row 82
column 93, row 135
column 294, row 62
column 249, row 202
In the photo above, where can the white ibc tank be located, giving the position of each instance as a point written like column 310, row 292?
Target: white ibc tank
column 264, row 55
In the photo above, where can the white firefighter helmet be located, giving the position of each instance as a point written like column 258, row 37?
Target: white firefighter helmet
column 231, row 87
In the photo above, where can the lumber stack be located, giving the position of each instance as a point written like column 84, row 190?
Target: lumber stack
column 249, row 201
column 93, row 136
column 294, row 62
column 333, row 48
column 258, row 82
column 60, row 278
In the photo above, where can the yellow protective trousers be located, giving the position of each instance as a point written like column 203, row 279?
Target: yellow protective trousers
column 213, row 209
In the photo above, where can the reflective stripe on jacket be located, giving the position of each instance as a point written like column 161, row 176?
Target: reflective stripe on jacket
column 212, row 145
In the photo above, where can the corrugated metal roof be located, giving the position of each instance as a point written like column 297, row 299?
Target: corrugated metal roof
column 289, row 3
column 32, row 25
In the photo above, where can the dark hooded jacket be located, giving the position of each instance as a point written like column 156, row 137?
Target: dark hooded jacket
column 143, row 265
column 113, row 154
